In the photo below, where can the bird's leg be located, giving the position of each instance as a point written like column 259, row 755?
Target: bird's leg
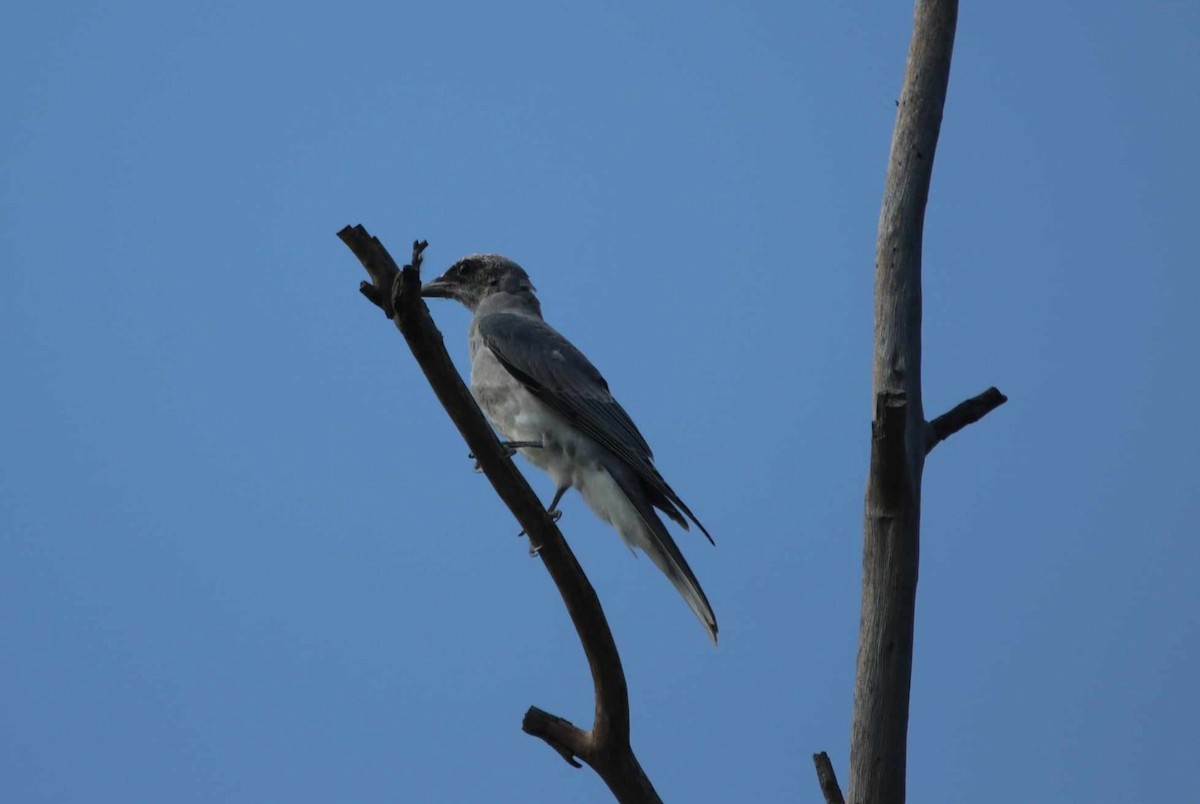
column 510, row 449
column 552, row 511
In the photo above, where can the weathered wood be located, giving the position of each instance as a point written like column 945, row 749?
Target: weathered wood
column 827, row 779
column 900, row 436
column 892, row 516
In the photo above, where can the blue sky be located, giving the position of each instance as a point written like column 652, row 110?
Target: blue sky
column 243, row 557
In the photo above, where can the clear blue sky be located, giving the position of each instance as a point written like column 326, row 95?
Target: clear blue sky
column 243, row 557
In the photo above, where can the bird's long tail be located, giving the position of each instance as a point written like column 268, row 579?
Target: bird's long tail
column 657, row 543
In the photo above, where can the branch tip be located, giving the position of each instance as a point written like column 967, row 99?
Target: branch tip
column 828, row 779
column 961, row 415
column 418, row 251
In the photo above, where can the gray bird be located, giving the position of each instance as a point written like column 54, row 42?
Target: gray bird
column 555, row 408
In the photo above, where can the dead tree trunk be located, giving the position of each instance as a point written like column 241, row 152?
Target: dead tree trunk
column 900, row 435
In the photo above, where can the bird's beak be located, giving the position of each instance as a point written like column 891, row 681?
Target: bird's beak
column 438, row 289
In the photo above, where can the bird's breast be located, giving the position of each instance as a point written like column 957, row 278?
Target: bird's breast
column 566, row 454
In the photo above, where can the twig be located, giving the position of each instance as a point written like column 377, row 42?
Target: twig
column 605, row 748
column 828, row 779
column 961, row 415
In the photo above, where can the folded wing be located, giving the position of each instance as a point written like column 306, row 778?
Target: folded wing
column 558, row 374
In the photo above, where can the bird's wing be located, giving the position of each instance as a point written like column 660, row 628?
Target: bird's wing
column 558, row 374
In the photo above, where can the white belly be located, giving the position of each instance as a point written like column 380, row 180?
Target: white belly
column 568, row 456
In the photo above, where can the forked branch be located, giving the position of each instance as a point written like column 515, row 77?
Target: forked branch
column 605, row 748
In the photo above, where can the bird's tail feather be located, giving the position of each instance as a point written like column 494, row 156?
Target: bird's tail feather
column 658, row 544
column 688, row 587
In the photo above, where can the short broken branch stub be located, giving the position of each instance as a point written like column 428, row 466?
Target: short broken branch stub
column 560, row 734
column 830, row 788
column 961, row 415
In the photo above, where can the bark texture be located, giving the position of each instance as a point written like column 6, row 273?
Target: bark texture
column 900, row 435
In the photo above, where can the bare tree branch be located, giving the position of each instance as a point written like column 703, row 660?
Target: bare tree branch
column 961, row 415
column 606, row 747
column 892, row 511
column 828, row 779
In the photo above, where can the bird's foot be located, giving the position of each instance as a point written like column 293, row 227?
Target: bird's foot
column 510, row 449
column 554, row 515
column 534, row 552
column 508, row 453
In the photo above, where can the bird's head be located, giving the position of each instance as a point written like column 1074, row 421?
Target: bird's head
column 477, row 277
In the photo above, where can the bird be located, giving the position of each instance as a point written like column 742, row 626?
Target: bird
column 555, row 409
